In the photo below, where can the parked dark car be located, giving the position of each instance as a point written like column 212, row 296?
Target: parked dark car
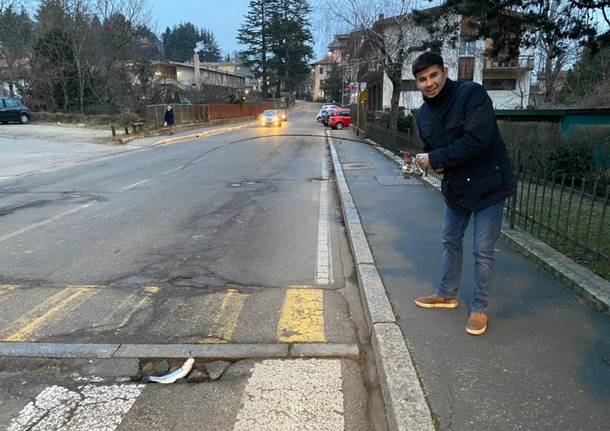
column 13, row 110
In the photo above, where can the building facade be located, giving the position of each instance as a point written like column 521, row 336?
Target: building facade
column 189, row 75
column 506, row 79
column 321, row 71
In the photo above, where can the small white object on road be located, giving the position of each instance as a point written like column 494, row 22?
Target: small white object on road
column 174, row 375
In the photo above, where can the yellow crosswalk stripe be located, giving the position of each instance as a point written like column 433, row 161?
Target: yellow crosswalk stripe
column 224, row 320
column 132, row 304
column 302, row 317
column 46, row 313
column 6, row 290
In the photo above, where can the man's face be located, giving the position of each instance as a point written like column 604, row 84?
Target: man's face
column 431, row 80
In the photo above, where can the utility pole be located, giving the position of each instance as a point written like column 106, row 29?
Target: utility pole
column 343, row 88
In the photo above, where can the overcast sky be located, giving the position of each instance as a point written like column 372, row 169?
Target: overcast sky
column 222, row 17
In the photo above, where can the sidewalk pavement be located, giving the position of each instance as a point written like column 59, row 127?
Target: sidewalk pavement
column 545, row 360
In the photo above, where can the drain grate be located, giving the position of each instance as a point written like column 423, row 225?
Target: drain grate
column 397, row 180
column 352, row 166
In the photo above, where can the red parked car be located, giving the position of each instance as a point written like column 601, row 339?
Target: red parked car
column 340, row 118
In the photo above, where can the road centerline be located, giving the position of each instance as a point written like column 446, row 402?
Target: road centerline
column 134, row 185
column 44, row 222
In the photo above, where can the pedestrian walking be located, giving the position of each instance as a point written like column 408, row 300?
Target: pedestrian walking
column 169, row 119
column 458, row 128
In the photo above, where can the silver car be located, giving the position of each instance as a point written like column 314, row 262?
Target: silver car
column 270, row 117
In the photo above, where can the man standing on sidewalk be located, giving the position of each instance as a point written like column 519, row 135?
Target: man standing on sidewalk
column 457, row 125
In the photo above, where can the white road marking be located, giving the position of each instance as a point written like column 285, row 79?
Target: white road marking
column 44, row 222
column 287, row 395
column 324, row 267
column 90, row 408
column 134, row 185
column 172, row 170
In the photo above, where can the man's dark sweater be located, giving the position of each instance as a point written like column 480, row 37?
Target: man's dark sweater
column 460, row 134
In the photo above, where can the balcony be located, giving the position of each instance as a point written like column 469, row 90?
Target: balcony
column 523, row 62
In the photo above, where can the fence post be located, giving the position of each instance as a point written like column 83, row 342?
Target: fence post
column 113, row 131
column 513, row 210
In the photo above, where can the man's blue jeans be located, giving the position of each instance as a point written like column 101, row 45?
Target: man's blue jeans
column 486, row 231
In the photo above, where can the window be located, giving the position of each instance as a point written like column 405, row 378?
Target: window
column 408, row 85
column 500, row 84
column 11, row 103
column 468, row 48
column 344, row 114
column 321, row 70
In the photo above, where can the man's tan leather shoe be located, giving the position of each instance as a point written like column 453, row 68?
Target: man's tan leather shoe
column 436, row 301
column 477, row 323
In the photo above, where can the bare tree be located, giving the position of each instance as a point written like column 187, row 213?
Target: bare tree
column 553, row 51
column 388, row 35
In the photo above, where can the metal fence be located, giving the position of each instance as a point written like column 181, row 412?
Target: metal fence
column 568, row 212
column 392, row 140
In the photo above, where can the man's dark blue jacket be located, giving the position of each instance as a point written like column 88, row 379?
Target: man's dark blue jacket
column 460, row 134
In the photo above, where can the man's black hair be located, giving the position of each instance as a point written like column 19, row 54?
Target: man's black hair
column 426, row 60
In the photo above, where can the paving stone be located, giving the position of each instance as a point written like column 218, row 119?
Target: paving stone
column 216, row 369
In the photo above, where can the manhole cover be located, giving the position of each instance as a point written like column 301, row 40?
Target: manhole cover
column 238, row 183
column 351, row 166
column 397, row 180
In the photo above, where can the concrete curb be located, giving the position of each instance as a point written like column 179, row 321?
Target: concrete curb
column 592, row 288
column 202, row 351
column 403, row 394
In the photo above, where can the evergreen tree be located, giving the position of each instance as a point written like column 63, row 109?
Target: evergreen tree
column 16, row 37
column 180, row 42
column 209, row 52
column 290, row 42
column 254, row 34
column 333, row 85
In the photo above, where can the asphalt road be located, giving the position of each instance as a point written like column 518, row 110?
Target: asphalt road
column 220, row 240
